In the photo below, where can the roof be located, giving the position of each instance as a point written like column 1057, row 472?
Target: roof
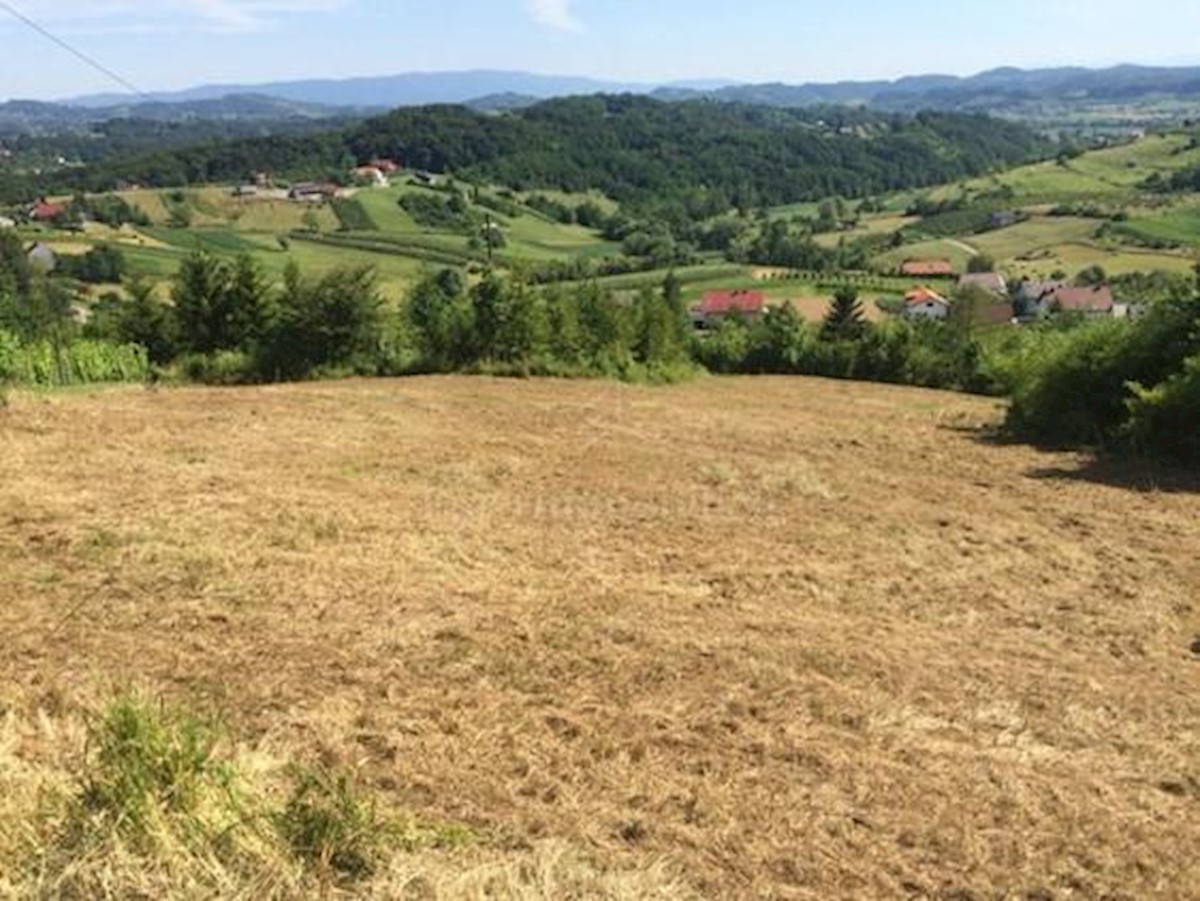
column 927, row 267
column 1036, row 290
column 720, row 303
column 1098, row 299
column 45, row 210
column 919, row 296
column 988, row 281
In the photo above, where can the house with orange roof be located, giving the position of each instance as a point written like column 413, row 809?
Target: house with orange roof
column 925, row 303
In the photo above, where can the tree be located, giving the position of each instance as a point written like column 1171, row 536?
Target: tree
column 1091, row 276
column 981, row 262
column 333, row 321
column 845, row 320
column 220, row 306
column 144, row 320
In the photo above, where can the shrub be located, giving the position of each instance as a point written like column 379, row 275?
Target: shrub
column 1165, row 419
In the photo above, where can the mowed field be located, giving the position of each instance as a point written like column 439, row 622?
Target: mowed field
column 738, row 638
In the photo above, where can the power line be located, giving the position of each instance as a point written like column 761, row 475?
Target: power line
column 78, row 54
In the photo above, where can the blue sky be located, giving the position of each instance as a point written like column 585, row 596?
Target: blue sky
column 165, row 44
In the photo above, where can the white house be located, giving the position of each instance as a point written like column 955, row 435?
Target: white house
column 5, row 222
column 923, row 303
column 42, row 258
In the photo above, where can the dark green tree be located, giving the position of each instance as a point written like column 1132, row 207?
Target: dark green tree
column 845, row 320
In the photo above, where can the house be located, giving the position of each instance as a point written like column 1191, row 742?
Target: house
column 386, row 166
column 5, row 222
column 1094, row 300
column 992, row 282
column 47, row 212
column 312, row 192
column 428, row 179
column 1003, row 219
column 42, row 258
column 717, row 305
column 371, row 175
column 245, row 191
column 925, row 303
column 927, row 268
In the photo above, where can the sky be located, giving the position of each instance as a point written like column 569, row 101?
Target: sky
column 170, row 44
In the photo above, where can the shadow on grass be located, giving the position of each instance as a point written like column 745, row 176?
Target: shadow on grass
column 1132, row 473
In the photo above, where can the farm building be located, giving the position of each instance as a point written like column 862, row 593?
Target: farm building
column 925, row 303
column 927, row 268
column 717, row 305
column 992, row 282
column 371, row 175
column 42, row 258
column 386, row 166
column 311, row 192
column 46, row 212
column 1090, row 301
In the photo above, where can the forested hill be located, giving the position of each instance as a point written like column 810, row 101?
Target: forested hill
column 633, row 148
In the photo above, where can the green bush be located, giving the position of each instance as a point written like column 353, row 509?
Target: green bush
column 1079, row 391
column 1165, row 419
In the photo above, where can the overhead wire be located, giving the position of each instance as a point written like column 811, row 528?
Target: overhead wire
column 74, row 51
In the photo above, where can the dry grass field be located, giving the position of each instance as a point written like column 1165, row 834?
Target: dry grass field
column 773, row 638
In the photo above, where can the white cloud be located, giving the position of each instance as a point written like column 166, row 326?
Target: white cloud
column 553, row 14
column 173, row 15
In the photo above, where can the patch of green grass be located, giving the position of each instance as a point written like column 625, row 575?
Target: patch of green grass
column 1035, row 234
column 1180, row 225
column 148, row 764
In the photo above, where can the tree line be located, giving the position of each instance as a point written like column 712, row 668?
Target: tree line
column 638, row 150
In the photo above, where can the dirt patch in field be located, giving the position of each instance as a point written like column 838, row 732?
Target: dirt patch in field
column 789, row 638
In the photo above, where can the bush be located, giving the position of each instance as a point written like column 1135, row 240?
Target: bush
column 223, row 367
column 1165, row 419
column 1080, row 391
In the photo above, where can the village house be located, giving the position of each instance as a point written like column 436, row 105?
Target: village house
column 5, row 222
column 992, row 282
column 46, row 212
column 718, row 305
column 1003, row 219
column 42, row 258
column 428, row 179
column 371, row 175
column 1089, row 301
column 312, row 192
column 246, row 191
column 925, row 303
column 386, row 166
column 927, row 268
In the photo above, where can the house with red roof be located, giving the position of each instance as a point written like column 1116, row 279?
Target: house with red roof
column 927, row 268
column 925, row 303
column 717, row 305
column 46, row 212
column 1091, row 300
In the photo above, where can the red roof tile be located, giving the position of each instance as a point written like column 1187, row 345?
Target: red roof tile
column 927, row 267
column 722, row 303
column 44, row 212
column 1083, row 300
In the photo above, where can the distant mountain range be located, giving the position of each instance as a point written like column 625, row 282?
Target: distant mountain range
column 1038, row 96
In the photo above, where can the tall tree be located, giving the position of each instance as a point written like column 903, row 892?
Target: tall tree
column 845, row 320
